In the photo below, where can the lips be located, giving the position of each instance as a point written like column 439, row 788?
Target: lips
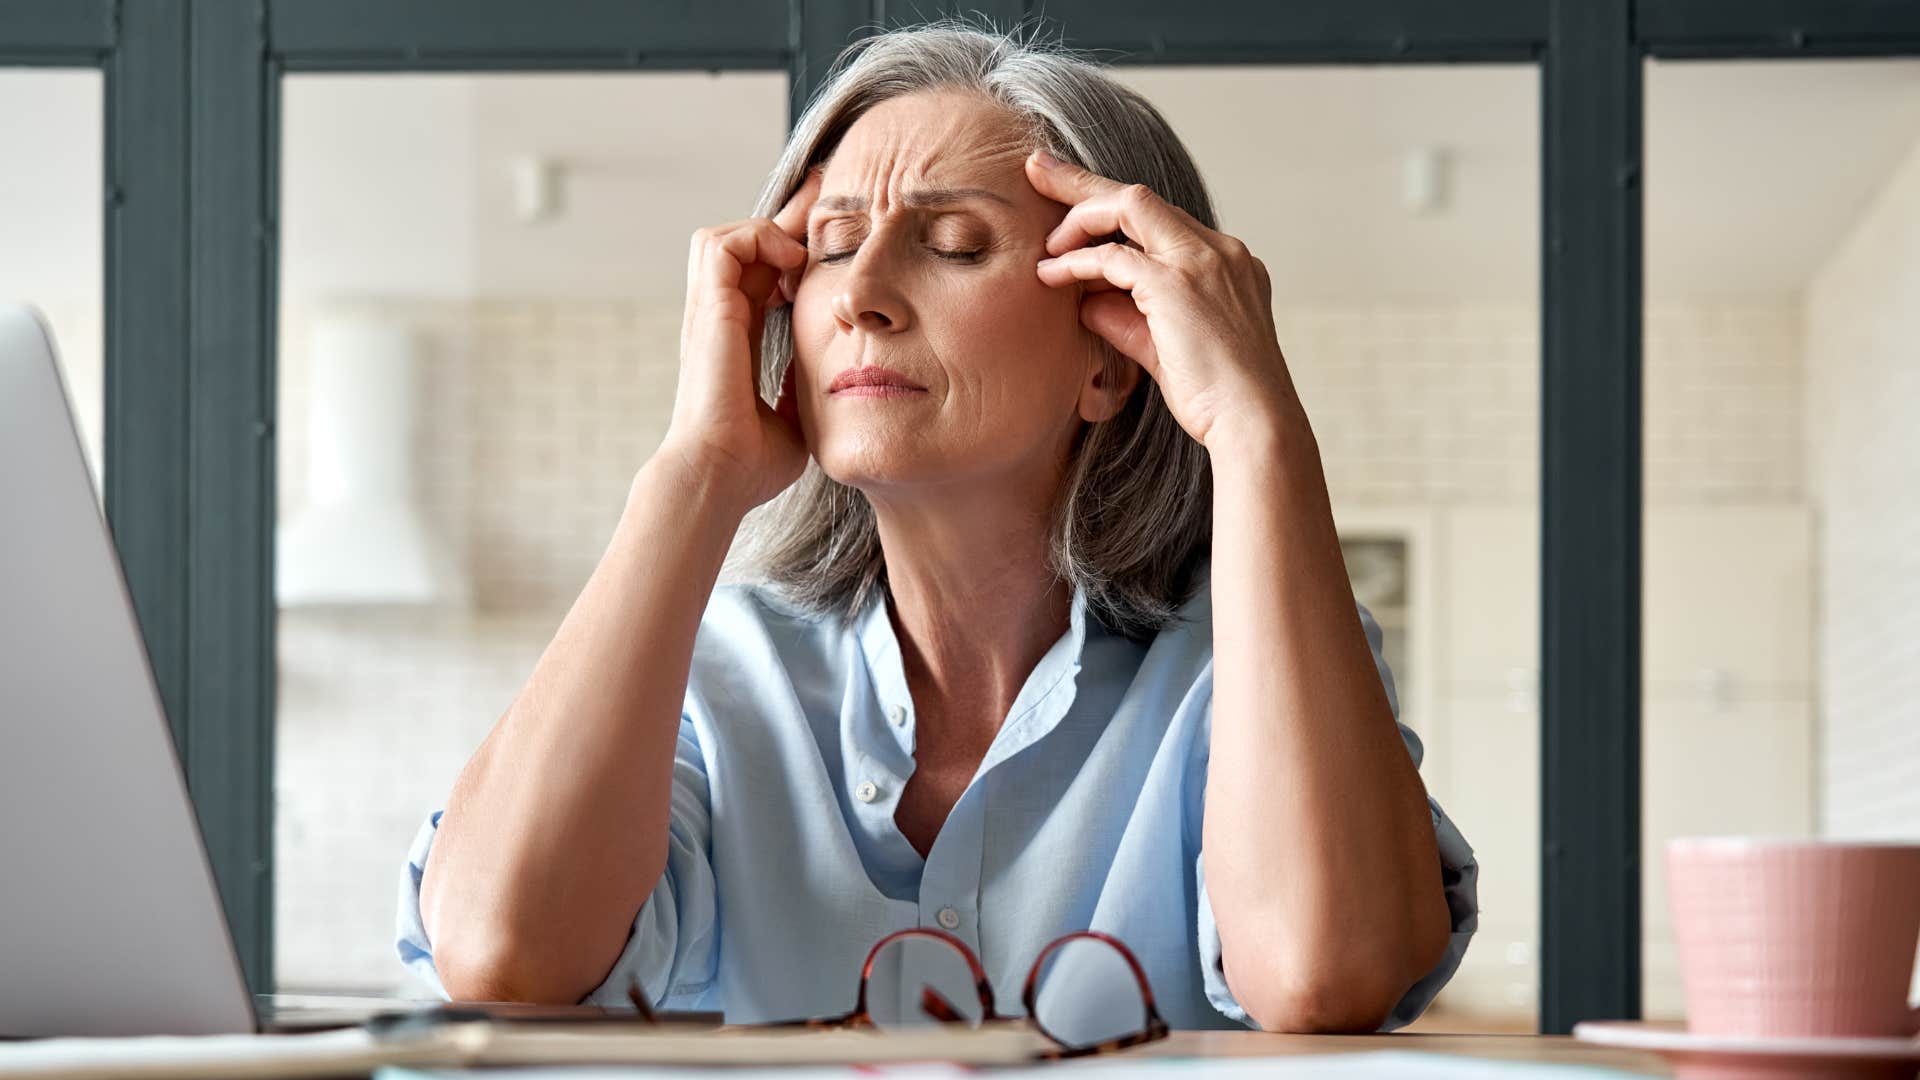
column 871, row 376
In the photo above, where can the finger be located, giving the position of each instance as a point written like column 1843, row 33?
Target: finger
column 1133, row 213
column 1114, row 317
column 734, row 272
column 751, row 258
column 1117, row 265
column 1103, row 205
column 703, row 276
column 792, row 221
column 730, row 294
column 792, row 217
column 772, row 244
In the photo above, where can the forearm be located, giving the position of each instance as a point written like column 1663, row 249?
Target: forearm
column 1321, row 861
column 556, row 829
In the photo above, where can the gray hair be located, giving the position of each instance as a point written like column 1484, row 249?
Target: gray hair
column 1134, row 523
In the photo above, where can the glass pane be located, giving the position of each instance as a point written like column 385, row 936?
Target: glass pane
column 1397, row 212
column 51, row 199
column 1782, row 471
column 481, row 291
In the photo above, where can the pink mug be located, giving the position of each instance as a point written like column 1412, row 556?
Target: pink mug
column 1795, row 937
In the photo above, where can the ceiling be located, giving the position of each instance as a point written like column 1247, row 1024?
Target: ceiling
column 1753, row 171
column 402, row 183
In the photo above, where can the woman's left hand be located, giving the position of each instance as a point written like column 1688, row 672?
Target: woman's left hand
column 1191, row 305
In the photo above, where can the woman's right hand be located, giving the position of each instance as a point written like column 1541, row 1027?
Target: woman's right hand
column 721, row 428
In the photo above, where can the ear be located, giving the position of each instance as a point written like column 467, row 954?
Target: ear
column 1104, row 390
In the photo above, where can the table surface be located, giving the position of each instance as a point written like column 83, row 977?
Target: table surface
column 1545, row 1049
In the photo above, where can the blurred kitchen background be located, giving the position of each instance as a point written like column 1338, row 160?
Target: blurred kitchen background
column 481, row 286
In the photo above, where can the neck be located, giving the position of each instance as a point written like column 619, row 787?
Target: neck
column 974, row 604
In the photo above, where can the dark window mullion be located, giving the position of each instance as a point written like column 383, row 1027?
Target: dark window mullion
column 1590, row 416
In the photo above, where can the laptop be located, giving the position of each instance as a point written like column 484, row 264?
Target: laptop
column 110, row 918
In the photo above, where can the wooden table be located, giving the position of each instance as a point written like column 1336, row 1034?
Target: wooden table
column 1544, row 1049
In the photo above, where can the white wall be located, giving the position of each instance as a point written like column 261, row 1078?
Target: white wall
column 402, row 185
column 1863, row 428
column 51, row 225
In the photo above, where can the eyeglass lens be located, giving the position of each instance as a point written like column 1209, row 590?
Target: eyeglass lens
column 921, row 980
column 1086, row 994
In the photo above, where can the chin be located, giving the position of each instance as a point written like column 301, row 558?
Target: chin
column 877, row 459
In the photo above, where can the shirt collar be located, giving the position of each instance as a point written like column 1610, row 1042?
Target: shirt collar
column 1043, row 699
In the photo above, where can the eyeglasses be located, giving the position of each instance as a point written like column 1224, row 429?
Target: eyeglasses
column 1085, row 992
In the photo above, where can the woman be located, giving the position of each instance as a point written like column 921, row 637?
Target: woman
column 1035, row 643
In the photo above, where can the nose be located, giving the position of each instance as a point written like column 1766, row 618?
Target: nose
column 867, row 298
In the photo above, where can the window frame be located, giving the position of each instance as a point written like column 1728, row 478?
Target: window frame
column 192, row 156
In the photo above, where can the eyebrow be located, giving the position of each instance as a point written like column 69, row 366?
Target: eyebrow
column 927, row 198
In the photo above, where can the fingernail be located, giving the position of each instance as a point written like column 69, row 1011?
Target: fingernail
column 1046, row 160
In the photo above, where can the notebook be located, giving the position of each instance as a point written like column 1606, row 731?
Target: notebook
column 490, row 1042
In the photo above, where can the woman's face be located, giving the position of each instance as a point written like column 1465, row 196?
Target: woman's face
column 940, row 288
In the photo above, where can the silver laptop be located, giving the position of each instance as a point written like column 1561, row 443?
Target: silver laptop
column 110, row 920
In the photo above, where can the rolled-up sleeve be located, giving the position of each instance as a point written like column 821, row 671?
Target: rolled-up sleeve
column 1459, row 876
column 672, row 948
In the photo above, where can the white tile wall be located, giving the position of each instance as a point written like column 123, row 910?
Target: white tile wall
column 1863, row 403
column 540, row 415
column 377, row 713
column 541, row 411
column 1441, row 405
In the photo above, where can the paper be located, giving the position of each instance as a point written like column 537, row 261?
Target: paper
column 692, row 1073
column 1395, row 1064
column 468, row 1043
column 324, row 1053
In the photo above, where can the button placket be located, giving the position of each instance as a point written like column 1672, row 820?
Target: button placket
column 950, row 881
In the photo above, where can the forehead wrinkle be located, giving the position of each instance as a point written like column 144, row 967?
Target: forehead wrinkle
column 923, row 199
column 977, row 142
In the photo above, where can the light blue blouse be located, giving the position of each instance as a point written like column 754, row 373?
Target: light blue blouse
column 785, row 866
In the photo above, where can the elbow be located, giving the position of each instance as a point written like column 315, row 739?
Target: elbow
column 489, row 966
column 1319, row 1002
column 1345, row 988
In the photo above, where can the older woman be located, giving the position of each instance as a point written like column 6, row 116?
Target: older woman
column 1034, row 644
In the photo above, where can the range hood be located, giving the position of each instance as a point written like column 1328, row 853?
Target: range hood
column 362, row 537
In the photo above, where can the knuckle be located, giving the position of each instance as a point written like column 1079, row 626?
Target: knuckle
column 1138, row 194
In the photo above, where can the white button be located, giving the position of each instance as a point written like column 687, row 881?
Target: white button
column 899, row 714
column 949, row 918
column 867, row 791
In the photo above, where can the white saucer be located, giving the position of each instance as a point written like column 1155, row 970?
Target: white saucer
column 1727, row 1057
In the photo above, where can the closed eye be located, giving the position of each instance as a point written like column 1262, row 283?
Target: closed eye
column 955, row 256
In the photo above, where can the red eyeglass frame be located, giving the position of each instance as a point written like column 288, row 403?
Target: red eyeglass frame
column 941, row 1009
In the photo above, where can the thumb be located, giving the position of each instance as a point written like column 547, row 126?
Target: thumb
column 1114, row 317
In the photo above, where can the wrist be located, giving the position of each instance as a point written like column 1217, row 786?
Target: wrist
column 694, row 482
column 1260, row 436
